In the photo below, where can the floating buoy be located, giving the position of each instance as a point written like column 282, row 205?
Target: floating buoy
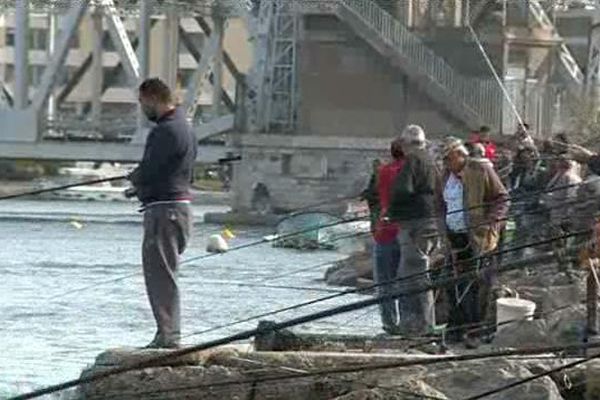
column 76, row 224
column 216, row 244
column 227, row 234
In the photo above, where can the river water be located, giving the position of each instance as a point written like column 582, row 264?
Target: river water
column 48, row 335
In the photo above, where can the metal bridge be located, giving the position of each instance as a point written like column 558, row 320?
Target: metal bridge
column 35, row 120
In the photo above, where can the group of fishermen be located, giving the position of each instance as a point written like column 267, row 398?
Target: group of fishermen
column 451, row 200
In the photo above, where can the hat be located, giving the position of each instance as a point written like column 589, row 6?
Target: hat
column 453, row 144
column 414, row 134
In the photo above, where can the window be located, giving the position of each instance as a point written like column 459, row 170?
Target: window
column 38, row 39
column 9, row 74
column 35, row 74
column 10, row 37
column 286, row 164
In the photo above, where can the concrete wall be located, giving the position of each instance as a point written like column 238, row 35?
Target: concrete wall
column 348, row 89
column 303, row 170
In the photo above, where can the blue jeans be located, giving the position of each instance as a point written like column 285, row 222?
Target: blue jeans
column 387, row 260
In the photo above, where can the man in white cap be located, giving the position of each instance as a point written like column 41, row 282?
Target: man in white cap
column 413, row 207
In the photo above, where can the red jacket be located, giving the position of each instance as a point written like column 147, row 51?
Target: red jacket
column 490, row 151
column 386, row 232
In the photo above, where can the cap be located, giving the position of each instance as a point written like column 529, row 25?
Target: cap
column 454, row 144
column 414, row 134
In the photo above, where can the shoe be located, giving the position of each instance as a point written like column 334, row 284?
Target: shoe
column 471, row 342
column 392, row 330
column 159, row 343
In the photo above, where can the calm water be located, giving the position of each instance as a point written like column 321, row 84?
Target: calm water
column 45, row 339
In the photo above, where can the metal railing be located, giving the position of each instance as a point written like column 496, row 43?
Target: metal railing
column 566, row 57
column 482, row 97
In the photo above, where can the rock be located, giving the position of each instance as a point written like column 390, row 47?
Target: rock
column 346, row 272
column 130, row 356
column 463, row 380
column 524, row 333
column 568, row 326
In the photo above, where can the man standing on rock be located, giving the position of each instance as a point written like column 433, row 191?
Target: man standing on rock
column 162, row 183
column 413, row 206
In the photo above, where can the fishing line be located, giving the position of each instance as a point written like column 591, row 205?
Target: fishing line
column 286, row 236
column 358, row 290
column 353, row 306
column 366, row 367
column 532, row 378
column 63, row 187
column 496, row 76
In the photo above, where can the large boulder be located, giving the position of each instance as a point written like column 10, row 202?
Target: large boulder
column 348, row 271
column 463, row 380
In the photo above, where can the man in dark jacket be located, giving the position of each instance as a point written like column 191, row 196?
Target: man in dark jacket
column 413, row 206
column 162, row 182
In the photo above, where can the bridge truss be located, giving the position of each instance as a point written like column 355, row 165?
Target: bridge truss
column 34, row 123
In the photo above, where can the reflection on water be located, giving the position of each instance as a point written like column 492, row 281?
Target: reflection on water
column 44, row 255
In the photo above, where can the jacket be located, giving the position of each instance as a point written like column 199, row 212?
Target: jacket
column 413, row 191
column 559, row 202
column 386, row 232
column 587, row 207
column 486, row 203
column 166, row 170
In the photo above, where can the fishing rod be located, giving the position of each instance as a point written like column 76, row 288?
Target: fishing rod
column 292, row 234
column 244, row 335
column 378, row 366
column 347, row 292
column 63, row 187
column 533, row 378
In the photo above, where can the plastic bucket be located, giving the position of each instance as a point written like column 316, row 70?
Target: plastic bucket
column 512, row 309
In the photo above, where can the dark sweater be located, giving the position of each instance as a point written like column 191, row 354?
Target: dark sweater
column 413, row 191
column 166, row 170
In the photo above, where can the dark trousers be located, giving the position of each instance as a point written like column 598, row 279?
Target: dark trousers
column 167, row 228
column 464, row 296
column 387, row 261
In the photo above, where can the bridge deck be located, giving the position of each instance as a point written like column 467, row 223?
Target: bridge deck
column 93, row 151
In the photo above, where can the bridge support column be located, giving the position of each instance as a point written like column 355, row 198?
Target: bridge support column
column 52, row 31
column 22, row 55
column 171, row 47
column 97, row 70
column 144, row 60
column 219, row 31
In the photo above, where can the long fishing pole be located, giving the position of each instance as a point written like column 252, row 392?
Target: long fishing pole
column 62, row 187
column 532, row 378
column 297, row 233
column 244, row 335
column 363, row 367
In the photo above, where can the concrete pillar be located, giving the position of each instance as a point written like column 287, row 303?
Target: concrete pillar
column 143, row 54
column 457, row 13
column 52, row 32
column 219, row 31
column 97, row 70
column 593, row 70
column 171, row 47
column 22, row 54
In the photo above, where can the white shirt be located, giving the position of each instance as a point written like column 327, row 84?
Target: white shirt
column 453, row 197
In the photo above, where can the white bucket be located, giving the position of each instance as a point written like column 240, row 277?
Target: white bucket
column 512, row 309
